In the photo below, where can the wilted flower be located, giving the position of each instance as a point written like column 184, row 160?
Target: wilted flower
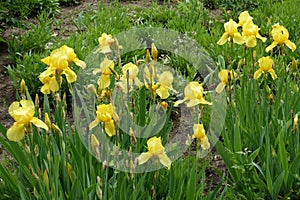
column 193, row 93
column 23, row 114
column 231, row 34
column 250, row 33
column 155, row 149
column 280, row 36
column 265, row 66
column 105, row 114
column 224, row 76
column 199, row 134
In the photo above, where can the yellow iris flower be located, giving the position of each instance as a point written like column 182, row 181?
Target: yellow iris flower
column 199, row 134
column 265, row 66
column 104, row 42
column 129, row 77
column 59, row 63
column 280, row 36
column 155, row 149
column 105, row 113
column 224, row 76
column 106, row 69
column 244, row 17
column 23, row 114
column 250, row 33
column 231, row 34
column 50, row 84
column 193, row 93
column 165, row 84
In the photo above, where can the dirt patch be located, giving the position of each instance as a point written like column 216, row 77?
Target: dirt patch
column 7, row 92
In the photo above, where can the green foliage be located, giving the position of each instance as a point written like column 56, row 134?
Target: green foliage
column 26, row 8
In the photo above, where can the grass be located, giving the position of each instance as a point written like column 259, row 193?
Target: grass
column 259, row 142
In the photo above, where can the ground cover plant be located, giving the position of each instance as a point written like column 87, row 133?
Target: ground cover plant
column 50, row 154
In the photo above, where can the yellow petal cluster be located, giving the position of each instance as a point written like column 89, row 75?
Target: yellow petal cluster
column 59, row 63
column 129, row 77
column 106, row 69
column 165, row 84
column 200, row 135
column 265, row 66
column 250, row 33
column 104, row 42
column 193, row 93
column 244, row 17
column 23, row 114
column 280, row 36
column 231, row 34
column 105, row 113
column 155, row 149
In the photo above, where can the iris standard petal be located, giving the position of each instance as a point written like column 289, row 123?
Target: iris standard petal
column 15, row 132
column 14, row 106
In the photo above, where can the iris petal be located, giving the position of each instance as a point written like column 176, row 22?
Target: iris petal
column 39, row 123
column 223, row 39
column 15, row 132
column 110, row 128
column 165, row 160
column 220, row 87
column 290, row 45
column 144, row 157
column 258, row 73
